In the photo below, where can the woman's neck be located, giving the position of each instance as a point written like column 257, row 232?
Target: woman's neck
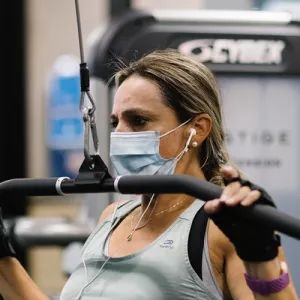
column 163, row 205
column 154, row 206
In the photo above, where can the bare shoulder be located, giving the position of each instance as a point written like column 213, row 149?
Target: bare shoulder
column 109, row 210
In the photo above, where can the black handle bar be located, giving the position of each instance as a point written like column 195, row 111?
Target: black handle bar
column 159, row 184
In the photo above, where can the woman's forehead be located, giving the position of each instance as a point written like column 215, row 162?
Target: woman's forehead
column 137, row 91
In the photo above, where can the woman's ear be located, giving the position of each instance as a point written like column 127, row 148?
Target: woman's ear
column 202, row 125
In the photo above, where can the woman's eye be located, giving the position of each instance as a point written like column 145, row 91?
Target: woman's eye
column 138, row 121
column 113, row 124
column 132, row 121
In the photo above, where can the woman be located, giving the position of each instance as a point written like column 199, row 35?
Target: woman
column 167, row 120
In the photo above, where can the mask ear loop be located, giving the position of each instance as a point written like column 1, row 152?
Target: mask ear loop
column 182, row 124
column 185, row 149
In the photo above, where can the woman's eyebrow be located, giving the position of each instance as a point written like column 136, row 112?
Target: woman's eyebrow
column 135, row 111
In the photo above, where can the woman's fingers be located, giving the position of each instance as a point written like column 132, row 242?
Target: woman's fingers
column 233, row 194
column 244, row 196
column 240, row 195
column 213, row 206
column 252, row 197
column 229, row 191
column 229, row 172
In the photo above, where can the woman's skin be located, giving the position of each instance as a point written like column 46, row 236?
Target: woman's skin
column 139, row 106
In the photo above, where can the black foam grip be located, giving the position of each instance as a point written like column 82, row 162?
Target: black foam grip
column 29, row 187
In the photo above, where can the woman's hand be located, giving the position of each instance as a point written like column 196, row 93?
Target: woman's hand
column 233, row 194
column 253, row 241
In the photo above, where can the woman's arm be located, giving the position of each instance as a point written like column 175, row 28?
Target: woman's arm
column 236, row 268
column 15, row 283
column 258, row 246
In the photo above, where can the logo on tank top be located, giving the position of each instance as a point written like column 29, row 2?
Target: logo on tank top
column 167, row 244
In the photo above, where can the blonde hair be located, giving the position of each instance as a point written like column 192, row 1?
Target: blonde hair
column 190, row 89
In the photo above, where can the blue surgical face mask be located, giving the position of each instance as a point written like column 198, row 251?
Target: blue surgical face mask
column 137, row 153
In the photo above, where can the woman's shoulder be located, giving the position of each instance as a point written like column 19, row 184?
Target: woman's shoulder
column 110, row 209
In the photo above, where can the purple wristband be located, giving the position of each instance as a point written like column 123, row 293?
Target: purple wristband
column 266, row 287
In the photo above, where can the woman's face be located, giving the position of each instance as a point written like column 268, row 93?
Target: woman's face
column 139, row 106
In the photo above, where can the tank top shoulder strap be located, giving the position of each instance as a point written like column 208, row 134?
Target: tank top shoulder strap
column 197, row 222
column 125, row 208
column 198, row 251
column 122, row 210
column 196, row 241
column 192, row 210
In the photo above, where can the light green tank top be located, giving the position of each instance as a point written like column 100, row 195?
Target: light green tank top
column 160, row 271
